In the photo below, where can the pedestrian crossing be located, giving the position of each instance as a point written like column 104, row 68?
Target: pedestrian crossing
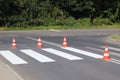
column 14, row 59
column 84, row 52
column 39, row 57
column 112, row 48
column 62, row 54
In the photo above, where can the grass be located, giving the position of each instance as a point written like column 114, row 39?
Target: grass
column 2, row 28
column 116, row 25
column 115, row 37
column 59, row 27
column 42, row 27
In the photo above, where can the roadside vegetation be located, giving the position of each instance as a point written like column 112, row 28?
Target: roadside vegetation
column 59, row 14
column 86, row 26
column 115, row 37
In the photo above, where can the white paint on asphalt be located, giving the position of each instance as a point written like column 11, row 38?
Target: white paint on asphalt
column 50, row 43
column 112, row 48
column 37, row 56
column 54, row 44
column 31, row 38
column 12, row 57
column 54, row 30
column 111, row 53
column 62, row 54
column 83, row 52
column 114, row 61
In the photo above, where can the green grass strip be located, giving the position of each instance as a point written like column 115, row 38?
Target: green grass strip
column 115, row 37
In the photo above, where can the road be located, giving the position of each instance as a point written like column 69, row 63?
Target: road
column 82, row 60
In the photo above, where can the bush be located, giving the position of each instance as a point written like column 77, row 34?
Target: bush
column 83, row 23
column 70, row 21
column 102, row 21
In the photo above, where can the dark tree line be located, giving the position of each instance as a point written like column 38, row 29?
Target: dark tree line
column 56, row 12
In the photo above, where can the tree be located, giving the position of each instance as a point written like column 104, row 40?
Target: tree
column 8, row 8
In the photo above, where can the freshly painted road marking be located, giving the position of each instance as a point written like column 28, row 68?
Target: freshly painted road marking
column 46, row 42
column 78, row 51
column 62, row 54
column 84, row 52
column 37, row 56
column 54, row 30
column 12, row 57
column 114, row 61
column 57, row 45
column 116, row 49
column 112, row 48
column 111, row 53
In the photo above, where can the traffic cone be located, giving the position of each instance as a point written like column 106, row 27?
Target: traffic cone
column 65, row 42
column 39, row 43
column 14, row 45
column 106, row 53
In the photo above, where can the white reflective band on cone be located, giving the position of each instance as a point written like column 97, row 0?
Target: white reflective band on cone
column 106, row 54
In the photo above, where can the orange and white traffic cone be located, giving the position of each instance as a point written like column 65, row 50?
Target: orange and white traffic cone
column 14, row 45
column 106, row 53
column 39, row 43
column 65, row 44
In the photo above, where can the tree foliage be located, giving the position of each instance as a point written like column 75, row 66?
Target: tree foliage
column 56, row 12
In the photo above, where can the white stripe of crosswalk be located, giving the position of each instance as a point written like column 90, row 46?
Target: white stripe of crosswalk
column 39, row 57
column 62, row 54
column 86, row 53
column 112, row 48
column 12, row 57
column 111, row 53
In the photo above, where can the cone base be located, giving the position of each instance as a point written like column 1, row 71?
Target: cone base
column 106, row 58
column 64, row 45
column 14, row 47
column 39, row 46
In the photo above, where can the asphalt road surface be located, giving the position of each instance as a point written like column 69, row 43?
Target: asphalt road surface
column 82, row 60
